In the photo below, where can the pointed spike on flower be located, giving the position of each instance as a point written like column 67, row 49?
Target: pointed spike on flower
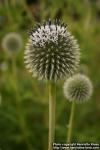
column 49, row 22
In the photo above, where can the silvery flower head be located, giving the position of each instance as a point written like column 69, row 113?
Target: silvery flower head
column 12, row 42
column 78, row 88
column 51, row 52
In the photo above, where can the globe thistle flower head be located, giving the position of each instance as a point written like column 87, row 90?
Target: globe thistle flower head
column 51, row 52
column 12, row 43
column 78, row 88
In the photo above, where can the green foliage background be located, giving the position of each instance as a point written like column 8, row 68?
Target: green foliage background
column 23, row 99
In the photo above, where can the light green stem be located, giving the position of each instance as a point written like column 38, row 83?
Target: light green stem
column 70, row 126
column 52, row 104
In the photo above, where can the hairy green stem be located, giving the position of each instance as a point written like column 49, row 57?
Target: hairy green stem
column 52, row 104
column 70, row 126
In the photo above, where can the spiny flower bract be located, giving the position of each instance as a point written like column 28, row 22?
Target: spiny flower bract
column 78, row 88
column 51, row 51
column 12, row 42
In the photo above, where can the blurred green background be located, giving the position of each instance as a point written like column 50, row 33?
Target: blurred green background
column 23, row 99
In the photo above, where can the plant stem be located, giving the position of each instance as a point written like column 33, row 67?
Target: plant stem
column 70, row 126
column 51, row 117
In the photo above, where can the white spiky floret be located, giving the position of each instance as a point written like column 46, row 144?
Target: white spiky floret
column 52, row 52
column 78, row 88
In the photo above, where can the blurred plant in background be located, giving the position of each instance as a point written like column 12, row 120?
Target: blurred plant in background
column 24, row 125
column 12, row 43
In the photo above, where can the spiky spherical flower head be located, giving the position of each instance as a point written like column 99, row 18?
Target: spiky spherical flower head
column 12, row 42
column 51, row 51
column 78, row 88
